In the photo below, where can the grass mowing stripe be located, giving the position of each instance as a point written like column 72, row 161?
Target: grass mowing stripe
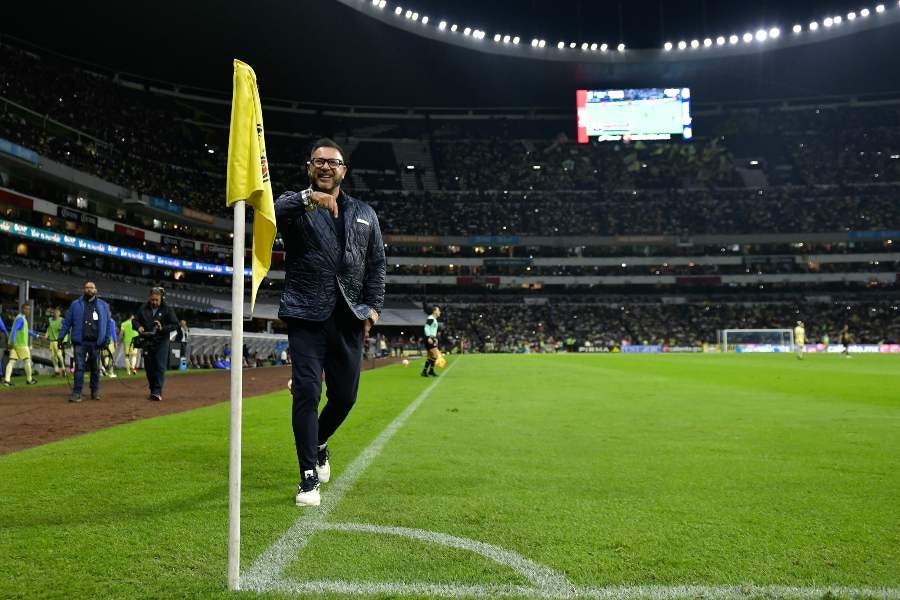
column 268, row 567
column 621, row 479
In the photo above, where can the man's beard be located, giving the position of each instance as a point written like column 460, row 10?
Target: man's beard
column 90, row 296
column 335, row 183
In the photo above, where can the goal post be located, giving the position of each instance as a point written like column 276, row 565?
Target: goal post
column 756, row 340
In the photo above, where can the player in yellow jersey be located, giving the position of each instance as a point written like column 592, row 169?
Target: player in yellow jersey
column 799, row 339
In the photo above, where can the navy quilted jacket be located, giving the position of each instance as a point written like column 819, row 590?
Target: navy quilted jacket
column 315, row 277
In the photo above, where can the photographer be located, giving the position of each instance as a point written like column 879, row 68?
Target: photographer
column 154, row 322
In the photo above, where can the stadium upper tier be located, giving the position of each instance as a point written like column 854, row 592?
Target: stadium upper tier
column 172, row 145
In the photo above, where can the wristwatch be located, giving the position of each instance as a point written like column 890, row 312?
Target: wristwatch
column 306, row 200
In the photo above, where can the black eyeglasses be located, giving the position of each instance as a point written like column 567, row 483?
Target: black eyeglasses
column 333, row 163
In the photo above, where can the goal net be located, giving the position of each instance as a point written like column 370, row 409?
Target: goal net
column 756, row 340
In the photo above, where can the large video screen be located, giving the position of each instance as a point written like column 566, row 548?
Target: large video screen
column 638, row 114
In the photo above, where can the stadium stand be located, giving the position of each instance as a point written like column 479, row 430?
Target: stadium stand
column 776, row 211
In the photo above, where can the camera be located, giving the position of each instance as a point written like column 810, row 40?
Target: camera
column 145, row 341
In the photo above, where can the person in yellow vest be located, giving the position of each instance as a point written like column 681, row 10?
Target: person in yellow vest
column 54, row 324
column 799, row 339
column 127, row 334
column 18, row 347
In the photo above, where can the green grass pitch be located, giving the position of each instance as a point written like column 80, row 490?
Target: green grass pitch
column 608, row 471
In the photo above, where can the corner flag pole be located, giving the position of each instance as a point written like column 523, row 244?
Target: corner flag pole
column 237, row 346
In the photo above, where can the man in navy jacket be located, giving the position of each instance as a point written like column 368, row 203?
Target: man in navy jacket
column 333, row 293
column 88, row 319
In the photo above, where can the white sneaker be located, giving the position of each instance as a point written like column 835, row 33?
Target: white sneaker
column 308, row 490
column 323, row 467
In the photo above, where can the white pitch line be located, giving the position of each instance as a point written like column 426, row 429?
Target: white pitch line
column 267, row 569
column 661, row 592
column 545, row 578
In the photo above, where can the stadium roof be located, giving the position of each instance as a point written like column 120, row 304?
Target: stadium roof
column 325, row 51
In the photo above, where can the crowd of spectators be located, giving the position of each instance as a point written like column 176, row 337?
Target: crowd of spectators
column 641, row 212
column 158, row 145
column 543, row 327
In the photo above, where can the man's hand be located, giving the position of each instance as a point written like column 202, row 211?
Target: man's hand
column 140, row 329
column 157, row 325
column 326, row 201
column 373, row 318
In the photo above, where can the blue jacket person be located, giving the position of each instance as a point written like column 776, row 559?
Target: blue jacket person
column 87, row 318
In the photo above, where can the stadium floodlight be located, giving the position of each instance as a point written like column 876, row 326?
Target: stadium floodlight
column 621, row 47
column 774, row 32
column 748, row 37
column 604, row 47
column 453, row 28
column 837, row 19
column 851, row 16
column 879, row 9
column 762, row 35
column 828, row 22
column 506, row 39
column 682, row 45
column 584, row 46
column 415, row 16
column 813, row 26
column 374, row 2
column 695, row 43
column 398, row 11
column 797, row 28
column 707, row 43
column 408, row 14
column 864, row 12
column 442, row 25
column 382, row 4
column 516, row 40
column 594, row 47
column 467, row 31
column 667, row 46
column 733, row 39
column 572, row 45
column 542, row 43
column 561, row 45
column 424, row 20
column 534, row 43
column 496, row 37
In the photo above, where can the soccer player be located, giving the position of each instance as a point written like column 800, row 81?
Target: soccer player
column 18, row 347
column 799, row 339
column 54, row 324
column 127, row 334
column 846, row 339
column 431, row 342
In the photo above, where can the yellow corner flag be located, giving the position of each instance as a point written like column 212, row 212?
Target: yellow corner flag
column 248, row 170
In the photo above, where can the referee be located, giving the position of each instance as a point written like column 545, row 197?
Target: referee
column 333, row 292
column 431, row 341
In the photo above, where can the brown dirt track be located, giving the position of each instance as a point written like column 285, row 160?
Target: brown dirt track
column 37, row 415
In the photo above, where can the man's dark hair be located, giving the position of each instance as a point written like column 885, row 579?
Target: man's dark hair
column 327, row 143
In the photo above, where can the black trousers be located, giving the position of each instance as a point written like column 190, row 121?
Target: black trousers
column 87, row 356
column 335, row 347
column 156, row 360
